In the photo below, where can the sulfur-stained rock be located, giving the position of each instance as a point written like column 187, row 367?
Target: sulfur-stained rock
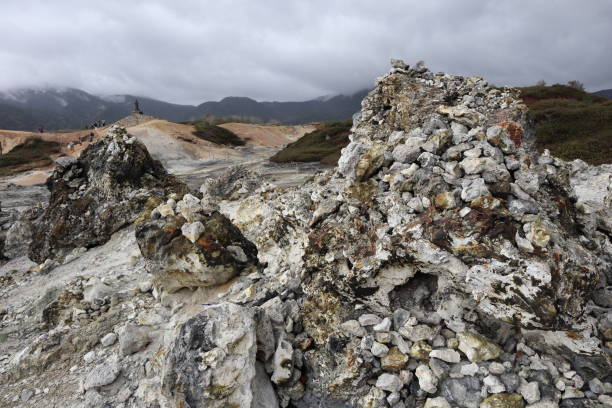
column 477, row 348
column 218, row 254
column 503, row 400
column 394, row 361
column 420, row 350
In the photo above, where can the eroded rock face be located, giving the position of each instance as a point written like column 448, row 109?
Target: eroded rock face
column 212, row 362
column 193, row 249
column 104, row 190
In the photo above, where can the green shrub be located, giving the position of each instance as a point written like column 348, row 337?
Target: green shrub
column 31, row 154
column 323, row 144
column 216, row 134
column 571, row 123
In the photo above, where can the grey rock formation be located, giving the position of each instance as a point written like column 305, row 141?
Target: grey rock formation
column 212, row 362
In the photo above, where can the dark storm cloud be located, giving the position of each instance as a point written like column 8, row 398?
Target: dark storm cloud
column 190, row 51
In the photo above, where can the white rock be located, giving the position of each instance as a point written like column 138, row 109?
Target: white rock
column 543, row 404
column 353, row 328
column 101, row 375
column 165, row 210
column 605, row 399
column 188, row 206
column 145, row 287
column 89, row 357
column 427, row 381
column 369, row 319
column 530, row 392
column 560, row 385
column 108, row 340
column 389, row 382
column 393, row 398
column 493, row 384
column 418, row 332
column 473, row 188
column 379, row 350
column 571, row 392
column 383, row 326
column 448, row 355
column 283, row 358
column 192, row 230
column 438, row 402
column 497, row 368
column 469, row 369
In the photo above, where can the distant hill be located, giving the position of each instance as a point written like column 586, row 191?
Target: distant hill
column 324, row 145
column 606, row 93
column 572, row 123
column 69, row 108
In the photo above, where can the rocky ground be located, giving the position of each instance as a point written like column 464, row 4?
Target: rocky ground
column 442, row 264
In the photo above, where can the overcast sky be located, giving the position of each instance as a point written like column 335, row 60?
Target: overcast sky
column 190, row 51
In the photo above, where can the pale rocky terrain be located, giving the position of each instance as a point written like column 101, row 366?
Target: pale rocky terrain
column 443, row 263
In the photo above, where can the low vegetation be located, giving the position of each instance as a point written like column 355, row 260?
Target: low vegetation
column 216, row 134
column 570, row 122
column 323, row 144
column 31, row 154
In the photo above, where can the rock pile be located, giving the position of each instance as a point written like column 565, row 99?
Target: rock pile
column 435, row 265
column 103, row 190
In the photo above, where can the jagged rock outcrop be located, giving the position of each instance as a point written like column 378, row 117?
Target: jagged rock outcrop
column 197, row 247
column 105, row 189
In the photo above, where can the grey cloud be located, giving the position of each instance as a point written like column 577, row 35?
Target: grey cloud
column 190, row 51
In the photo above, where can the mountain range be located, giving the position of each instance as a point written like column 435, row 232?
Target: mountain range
column 606, row 93
column 70, row 108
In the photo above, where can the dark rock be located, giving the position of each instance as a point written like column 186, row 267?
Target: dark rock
column 511, row 381
column 463, row 392
column 106, row 189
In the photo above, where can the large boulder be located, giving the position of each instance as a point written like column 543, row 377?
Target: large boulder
column 194, row 248
column 212, row 362
column 105, row 189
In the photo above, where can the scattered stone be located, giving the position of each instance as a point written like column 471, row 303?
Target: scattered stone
column 493, row 384
column 389, row 382
column 369, row 320
column 133, row 339
column 571, row 392
column 394, row 361
column 427, row 381
column 101, row 375
column 469, row 369
column 448, row 355
column 379, row 350
column 420, row 350
column 530, row 392
column 383, row 326
column 353, row 328
column 503, row 400
column 438, row 402
column 477, row 348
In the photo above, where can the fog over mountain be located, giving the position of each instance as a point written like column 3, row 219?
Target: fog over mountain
column 70, row 108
